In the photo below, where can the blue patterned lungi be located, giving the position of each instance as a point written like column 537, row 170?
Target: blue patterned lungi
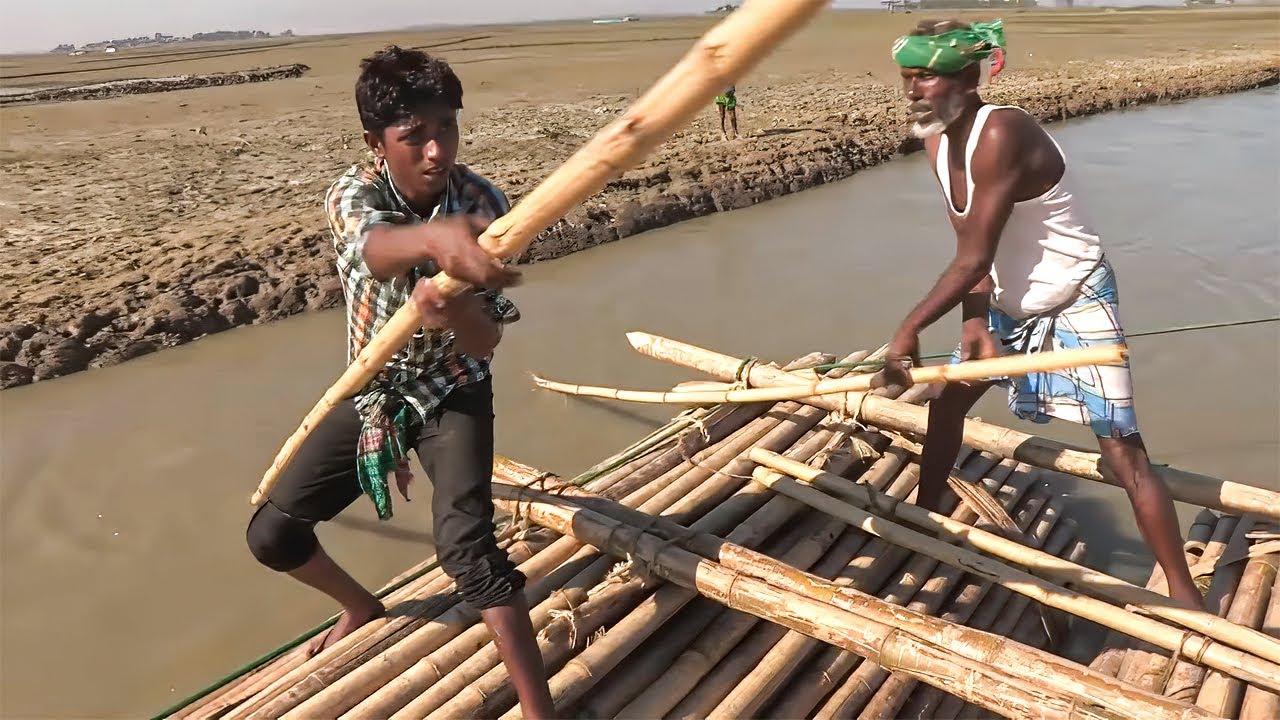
column 1100, row 396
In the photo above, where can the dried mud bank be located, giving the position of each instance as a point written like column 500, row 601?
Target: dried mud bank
column 221, row 231
column 141, row 86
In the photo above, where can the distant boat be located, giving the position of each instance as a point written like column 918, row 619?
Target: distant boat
column 612, row 21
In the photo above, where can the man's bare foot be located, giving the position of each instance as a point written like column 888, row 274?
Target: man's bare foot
column 350, row 621
column 1189, row 597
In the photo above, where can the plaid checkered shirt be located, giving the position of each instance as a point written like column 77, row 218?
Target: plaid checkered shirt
column 426, row 370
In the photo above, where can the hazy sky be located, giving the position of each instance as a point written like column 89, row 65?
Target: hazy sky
column 37, row 25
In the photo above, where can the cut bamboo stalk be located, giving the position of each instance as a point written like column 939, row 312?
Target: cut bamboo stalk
column 1222, row 694
column 1231, row 497
column 1186, row 678
column 450, row 619
column 724, row 676
column 887, row 634
column 1067, row 574
column 727, row 51
column 1261, row 704
column 729, row 630
column 866, row 678
column 894, row 691
column 970, row 370
column 773, row 671
column 1011, row 614
column 1189, row 645
column 438, row 589
column 382, row 675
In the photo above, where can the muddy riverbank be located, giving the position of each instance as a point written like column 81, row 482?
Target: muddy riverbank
column 222, row 226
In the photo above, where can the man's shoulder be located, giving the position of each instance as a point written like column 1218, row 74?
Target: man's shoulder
column 479, row 193
column 361, row 181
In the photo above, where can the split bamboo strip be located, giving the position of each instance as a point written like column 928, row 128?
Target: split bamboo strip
column 887, row 634
column 437, row 588
column 970, row 370
column 1189, row 487
column 772, row 672
column 727, row 51
column 1187, row 644
column 1261, row 704
column 867, row 677
column 727, row 631
column 1221, row 694
column 1067, row 574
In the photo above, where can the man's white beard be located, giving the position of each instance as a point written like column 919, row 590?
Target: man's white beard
column 941, row 117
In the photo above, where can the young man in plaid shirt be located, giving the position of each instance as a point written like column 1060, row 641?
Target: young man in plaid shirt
column 394, row 225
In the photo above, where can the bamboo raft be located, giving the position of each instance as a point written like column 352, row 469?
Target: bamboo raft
column 757, row 560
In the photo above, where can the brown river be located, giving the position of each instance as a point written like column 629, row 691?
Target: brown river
column 126, row 582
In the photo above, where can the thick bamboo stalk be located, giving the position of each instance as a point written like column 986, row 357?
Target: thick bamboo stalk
column 308, row 677
column 772, row 672
column 888, row 700
column 1186, row 644
column 886, row 634
column 641, row 679
column 723, row 54
column 1262, row 704
column 1222, row 694
column 384, row 676
column 1060, row 571
column 1231, row 497
column 855, row 691
column 727, row 631
column 972, row 370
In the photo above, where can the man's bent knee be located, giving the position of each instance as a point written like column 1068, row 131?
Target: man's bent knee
column 487, row 580
column 279, row 541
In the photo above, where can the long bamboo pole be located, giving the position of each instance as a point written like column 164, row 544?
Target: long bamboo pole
column 721, row 56
column 1053, row 568
column 886, row 634
column 1232, row 497
column 1261, row 704
column 1190, row 645
column 1009, row 365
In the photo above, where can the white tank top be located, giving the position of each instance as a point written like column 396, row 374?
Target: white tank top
column 1047, row 248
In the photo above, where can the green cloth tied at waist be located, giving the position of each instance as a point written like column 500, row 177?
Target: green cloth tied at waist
column 952, row 51
column 381, row 451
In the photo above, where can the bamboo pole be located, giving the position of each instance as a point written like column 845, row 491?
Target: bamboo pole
column 1186, row 644
column 1231, row 497
column 772, row 672
column 1261, row 704
column 726, row 633
column 727, row 51
column 312, row 673
column 864, row 680
column 971, row 370
column 886, row 634
column 1221, row 694
column 893, row 691
column 1062, row 572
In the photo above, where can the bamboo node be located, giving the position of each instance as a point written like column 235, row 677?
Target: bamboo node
column 742, row 376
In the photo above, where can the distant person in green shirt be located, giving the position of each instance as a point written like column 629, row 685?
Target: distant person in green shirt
column 728, row 103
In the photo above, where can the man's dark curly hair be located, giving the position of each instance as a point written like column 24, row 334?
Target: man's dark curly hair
column 396, row 83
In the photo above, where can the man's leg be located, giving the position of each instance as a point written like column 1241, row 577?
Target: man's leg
column 724, row 133
column 456, row 450
column 1127, row 459
column 942, row 440
column 733, row 118
column 317, row 485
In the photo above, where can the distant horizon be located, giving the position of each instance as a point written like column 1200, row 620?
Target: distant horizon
column 38, row 29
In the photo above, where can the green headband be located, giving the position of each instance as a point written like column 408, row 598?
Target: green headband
column 951, row 51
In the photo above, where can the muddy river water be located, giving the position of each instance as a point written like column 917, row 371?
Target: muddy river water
column 126, row 582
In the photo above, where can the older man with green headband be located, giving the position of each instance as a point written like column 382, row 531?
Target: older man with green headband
column 1029, row 274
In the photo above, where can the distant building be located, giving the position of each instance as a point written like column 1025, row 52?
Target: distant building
column 64, row 48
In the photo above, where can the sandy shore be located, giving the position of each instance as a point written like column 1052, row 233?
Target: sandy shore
column 142, row 222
